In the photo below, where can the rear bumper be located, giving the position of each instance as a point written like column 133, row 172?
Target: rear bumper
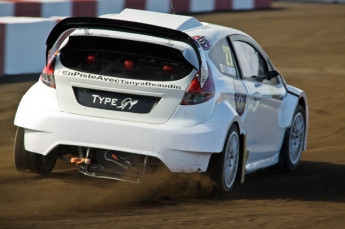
column 181, row 149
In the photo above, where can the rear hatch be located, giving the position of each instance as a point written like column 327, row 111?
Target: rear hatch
column 123, row 76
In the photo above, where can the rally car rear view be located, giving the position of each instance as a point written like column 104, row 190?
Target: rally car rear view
column 124, row 94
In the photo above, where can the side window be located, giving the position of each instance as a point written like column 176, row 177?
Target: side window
column 222, row 57
column 252, row 63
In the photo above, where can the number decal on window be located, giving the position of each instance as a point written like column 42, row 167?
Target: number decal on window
column 228, row 58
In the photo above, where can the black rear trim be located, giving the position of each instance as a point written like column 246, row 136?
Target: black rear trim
column 110, row 54
column 114, row 101
column 118, row 25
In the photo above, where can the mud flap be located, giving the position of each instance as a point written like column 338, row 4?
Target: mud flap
column 245, row 155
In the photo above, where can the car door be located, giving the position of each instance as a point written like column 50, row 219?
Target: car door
column 264, row 135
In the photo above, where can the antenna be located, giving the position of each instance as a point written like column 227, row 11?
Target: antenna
column 172, row 6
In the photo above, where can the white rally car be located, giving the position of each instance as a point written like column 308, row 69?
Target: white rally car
column 126, row 93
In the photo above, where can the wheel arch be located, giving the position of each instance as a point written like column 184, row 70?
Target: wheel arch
column 218, row 162
column 223, row 112
column 300, row 98
column 302, row 101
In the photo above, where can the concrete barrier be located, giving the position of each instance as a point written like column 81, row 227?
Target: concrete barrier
column 22, row 39
column 315, row 1
column 92, row 8
column 22, row 44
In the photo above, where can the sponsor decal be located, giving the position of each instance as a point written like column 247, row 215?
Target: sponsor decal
column 227, row 70
column 204, row 42
column 240, row 97
column 114, row 101
column 97, row 99
column 104, row 100
column 129, row 102
column 120, row 81
column 240, row 103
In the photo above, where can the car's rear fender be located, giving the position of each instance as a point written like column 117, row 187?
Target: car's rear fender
column 211, row 112
column 223, row 112
column 33, row 99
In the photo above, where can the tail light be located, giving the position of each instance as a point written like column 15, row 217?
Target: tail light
column 196, row 94
column 47, row 75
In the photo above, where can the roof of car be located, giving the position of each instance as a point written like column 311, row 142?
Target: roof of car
column 171, row 21
column 187, row 24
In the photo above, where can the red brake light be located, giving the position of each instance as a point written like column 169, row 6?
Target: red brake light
column 195, row 94
column 90, row 59
column 47, row 76
column 128, row 64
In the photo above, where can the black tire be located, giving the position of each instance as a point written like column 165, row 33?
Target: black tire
column 224, row 166
column 25, row 161
column 291, row 150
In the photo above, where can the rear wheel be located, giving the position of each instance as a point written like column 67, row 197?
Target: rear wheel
column 27, row 161
column 224, row 165
column 294, row 140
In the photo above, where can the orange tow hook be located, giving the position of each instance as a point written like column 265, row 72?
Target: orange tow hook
column 78, row 160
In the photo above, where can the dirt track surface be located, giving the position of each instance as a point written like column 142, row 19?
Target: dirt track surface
column 306, row 43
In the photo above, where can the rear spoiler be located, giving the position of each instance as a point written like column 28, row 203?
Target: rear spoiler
column 118, row 25
column 131, row 27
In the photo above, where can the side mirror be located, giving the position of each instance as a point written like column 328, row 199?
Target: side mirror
column 272, row 74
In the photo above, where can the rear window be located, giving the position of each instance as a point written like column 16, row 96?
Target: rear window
column 124, row 58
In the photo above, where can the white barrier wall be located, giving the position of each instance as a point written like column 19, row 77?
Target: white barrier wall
column 49, row 8
column 22, row 44
column 22, row 39
column 316, row 1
